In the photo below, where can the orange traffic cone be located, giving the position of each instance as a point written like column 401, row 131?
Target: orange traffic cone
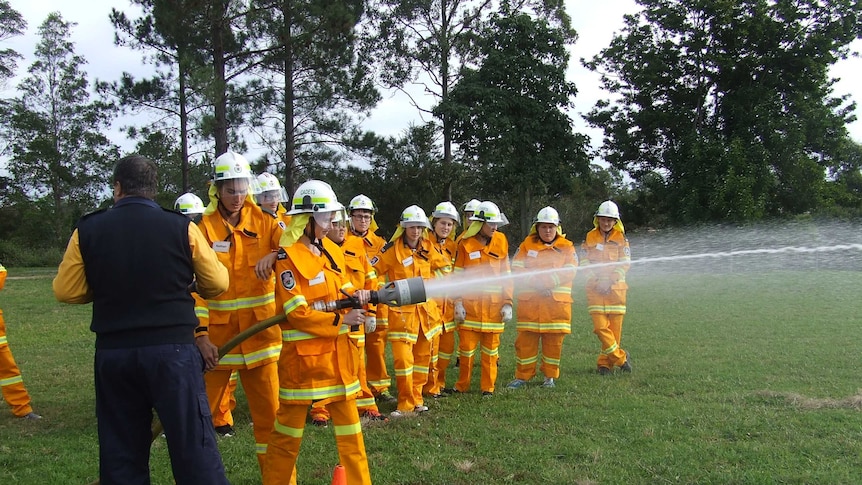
column 339, row 476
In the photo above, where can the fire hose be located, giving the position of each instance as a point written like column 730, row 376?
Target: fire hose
column 396, row 293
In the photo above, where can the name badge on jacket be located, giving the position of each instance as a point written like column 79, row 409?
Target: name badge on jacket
column 320, row 278
column 221, row 246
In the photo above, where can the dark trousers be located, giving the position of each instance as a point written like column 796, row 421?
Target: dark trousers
column 130, row 383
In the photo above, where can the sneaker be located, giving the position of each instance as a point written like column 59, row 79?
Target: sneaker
column 439, row 395
column 320, row 421
column 626, row 367
column 31, row 416
column 487, row 393
column 398, row 414
column 225, row 431
column 603, row 371
column 420, row 409
column 448, row 391
column 372, row 415
column 516, row 384
column 385, row 397
column 549, row 382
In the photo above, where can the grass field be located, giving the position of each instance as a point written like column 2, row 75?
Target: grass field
column 738, row 378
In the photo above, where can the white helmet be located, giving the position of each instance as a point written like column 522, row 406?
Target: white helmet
column 446, row 209
column 608, row 209
column 414, row 216
column 231, row 165
column 361, row 202
column 314, row 196
column 489, row 212
column 471, row 206
column 188, row 204
column 549, row 215
column 269, row 183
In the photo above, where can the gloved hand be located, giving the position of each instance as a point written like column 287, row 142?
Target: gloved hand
column 354, row 318
column 370, row 324
column 460, row 312
column 506, row 313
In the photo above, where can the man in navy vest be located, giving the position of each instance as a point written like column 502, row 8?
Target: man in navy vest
column 136, row 263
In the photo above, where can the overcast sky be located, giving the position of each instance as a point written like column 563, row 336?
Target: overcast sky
column 595, row 22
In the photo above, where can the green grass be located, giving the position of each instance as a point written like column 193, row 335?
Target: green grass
column 739, row 378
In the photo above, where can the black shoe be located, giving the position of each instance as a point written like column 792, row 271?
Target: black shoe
column 439, row 395
column 225, row 431
column 385, row 397
column 487, row 393
column 603, row 371
column 626, row 367
column 447, row 391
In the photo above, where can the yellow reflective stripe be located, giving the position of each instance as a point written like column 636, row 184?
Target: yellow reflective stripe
column 406, row 372
column 518, row 264
column 548, row 360
column 371, row 275
column 420, row 369
column 469, row 354
column 359, row 337
column 314, row 394
column 294, row 303
column 434, row 332
column 606, row 308
column 293, row 335
column 270, row 352
column 3, row 340
column 234, row 376
column 260, row 448
column 491, row 352
column 380, row 383
column 241, row 303
column 610, row 349
column 483, row 326
column 288, row 431
column 202, row 312
column 365, row 402
column 527, row 360
column 347, row 429
column 545, row 327
column 405, row 336
column 11, row 380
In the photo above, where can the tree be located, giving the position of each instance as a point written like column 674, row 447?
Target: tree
column 60, row 158
column 11, row 24
column 427, row 42
column 314, row 82
column 509, row 118
column 163, row 32
column 729, row 103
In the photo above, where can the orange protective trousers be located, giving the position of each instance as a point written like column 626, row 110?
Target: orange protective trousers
column 223, row 414
column 261, row 390
column 11, row 382
column 412, row 362
column 375, row 357
column 287, row 436
column 608, row 327
column 490, row 344
column 365, row 399
column 445, row 349
column 527, row 354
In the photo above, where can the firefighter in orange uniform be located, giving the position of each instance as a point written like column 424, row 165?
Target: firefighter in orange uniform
column 318, row 357
column 245, row 240
column 444, row 220
column 362, row 235
column 483, row 252
column 11, row 383
column 412, row 328
column 544, row 298
column 607, row 247
column 362, row 275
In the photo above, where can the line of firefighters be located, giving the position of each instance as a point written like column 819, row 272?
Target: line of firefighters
column 294, row 259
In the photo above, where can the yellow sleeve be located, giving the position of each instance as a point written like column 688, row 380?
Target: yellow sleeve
column 70, row 284
column 210, row 275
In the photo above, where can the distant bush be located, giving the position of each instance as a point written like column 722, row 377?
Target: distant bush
column 13, row 253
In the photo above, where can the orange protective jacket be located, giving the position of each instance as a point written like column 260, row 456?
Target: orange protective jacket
column 489, row 265
column 397, row 261
column 317, row 356
column 606, row 258
column 362, row 276
column 370, row 244
column 447, row 249
column 545, row 297
column 239, row 249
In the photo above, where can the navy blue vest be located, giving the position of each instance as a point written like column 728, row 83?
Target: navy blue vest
column 138, row 265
